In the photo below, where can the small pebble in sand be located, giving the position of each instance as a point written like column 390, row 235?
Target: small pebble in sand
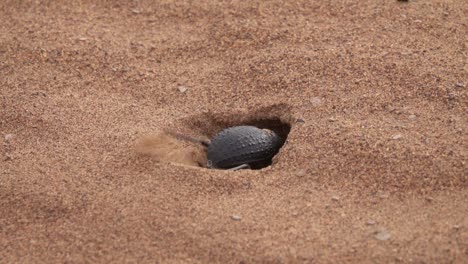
column 301, row 173
column 8, row 137
column 182, row 88
column 236, row 217
column 382, row 235
column 412, row 116
column 8, row 157
column 316, row 101
column 383, row 196
column 335, row 198
column 371, row 222
column 397, row 137
column 39, row 93
column 300, row 120
column 429, row 199
column 460, row 85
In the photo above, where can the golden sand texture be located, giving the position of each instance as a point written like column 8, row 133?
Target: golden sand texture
column 374, row 169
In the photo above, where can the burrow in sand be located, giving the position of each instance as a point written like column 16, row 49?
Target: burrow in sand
column 206, row 125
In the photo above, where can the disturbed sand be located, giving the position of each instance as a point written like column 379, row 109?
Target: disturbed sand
column 374, row 168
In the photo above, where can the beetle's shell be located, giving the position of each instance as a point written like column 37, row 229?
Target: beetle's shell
column 242, row 145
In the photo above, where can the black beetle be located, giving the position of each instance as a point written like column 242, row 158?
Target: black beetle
column 239, row 147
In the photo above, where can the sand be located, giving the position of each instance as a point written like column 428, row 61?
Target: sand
column 373, row 169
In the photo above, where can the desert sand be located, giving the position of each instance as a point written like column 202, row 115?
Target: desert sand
column 374, row 168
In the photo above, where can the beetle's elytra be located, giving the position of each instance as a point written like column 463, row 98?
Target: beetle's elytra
column 241, row 145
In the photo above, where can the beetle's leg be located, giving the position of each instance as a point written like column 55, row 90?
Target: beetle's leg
column 209, row 164
column 240, row 167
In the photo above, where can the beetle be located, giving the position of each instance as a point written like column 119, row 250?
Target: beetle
column 239, row 147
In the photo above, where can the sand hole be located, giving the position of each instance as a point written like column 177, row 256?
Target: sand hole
column 206, row 125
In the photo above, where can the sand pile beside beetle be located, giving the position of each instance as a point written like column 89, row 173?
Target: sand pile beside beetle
column 164, row 147
column 373, row 170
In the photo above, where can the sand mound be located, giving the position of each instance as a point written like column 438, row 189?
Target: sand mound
column 164, row 147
